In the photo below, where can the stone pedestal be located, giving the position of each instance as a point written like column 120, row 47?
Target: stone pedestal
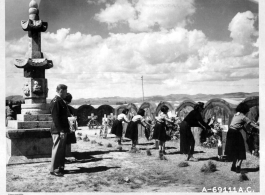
column 29, row 139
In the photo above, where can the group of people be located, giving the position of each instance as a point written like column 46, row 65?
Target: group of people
column 235, row 148
column 235, row 145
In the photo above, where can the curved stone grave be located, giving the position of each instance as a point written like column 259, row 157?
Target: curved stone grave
column 167, row 104
column 104, row 109
column 83, row 112
column 184, row 108
column 220, row 109
column 253, row 114
column 150, row 109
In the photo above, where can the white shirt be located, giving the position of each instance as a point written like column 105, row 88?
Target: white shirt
column 122, row 117
column 162, row 117
column 138, row 118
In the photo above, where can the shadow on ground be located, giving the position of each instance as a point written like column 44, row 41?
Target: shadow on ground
column 210, row 158
column 246, row 170
column 91, row 169
column 92, row 159
column 88, row 155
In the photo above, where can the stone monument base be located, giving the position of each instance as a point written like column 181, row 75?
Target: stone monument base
column 30, row 145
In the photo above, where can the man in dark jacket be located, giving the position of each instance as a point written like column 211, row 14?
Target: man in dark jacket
column 59, row 130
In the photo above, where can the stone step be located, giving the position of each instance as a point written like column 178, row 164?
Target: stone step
column 37, row 117
column 12, row 133
column 29, row 124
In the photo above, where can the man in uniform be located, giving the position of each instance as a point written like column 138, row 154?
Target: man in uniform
column 59, row 130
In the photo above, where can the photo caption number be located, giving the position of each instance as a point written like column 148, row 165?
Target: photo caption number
column 226, row 189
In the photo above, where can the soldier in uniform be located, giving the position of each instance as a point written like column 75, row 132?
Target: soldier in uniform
column 59, row 130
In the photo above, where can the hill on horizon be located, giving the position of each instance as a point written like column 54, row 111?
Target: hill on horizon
column 116, row 100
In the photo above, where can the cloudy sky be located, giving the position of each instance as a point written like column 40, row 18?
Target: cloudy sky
column 102, row 48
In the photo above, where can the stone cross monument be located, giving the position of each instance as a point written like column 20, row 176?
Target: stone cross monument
column 35, row 88
column 28, row 137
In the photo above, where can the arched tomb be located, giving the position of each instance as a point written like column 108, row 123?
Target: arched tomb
column 119, row 109
column 253, row 104
column 184, row 108
column 150, row 109
column 219, row 108
column 253, row 114
column 104, row 109
column 167, row 104
column 132, row 110
column 83, row 112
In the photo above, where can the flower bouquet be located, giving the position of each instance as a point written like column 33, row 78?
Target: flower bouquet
column 216, row 139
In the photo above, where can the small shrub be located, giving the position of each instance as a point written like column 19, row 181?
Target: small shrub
column 148, row 152
column 119, row 148
column 104, row 183
column 208, row 168
column 86, row 139
column 109, row 145
column 80, row 134
column 243, row 177
column 93, row 142
column 100, row 144
column 135, row 186
column 183, row 164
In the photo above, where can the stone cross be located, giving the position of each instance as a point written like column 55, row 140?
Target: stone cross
column 35, row 88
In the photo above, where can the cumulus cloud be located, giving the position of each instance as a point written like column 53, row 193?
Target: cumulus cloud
column 242, row 28
column 169, row 59
column 120, row 11
column 144, row 15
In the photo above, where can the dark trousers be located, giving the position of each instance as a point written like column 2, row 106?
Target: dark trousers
column 58, row 152
column 191, row 145
column 118, row 138
column 134, row 142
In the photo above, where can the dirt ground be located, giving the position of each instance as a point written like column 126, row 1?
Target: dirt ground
column 98, row 166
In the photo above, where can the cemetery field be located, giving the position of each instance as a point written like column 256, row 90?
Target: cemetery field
column 99, row 167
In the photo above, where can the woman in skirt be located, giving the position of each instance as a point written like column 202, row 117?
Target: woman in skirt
column 235, row 145
column 132, row 128
column 193, row 119
column 117, row 125
column 160, row 131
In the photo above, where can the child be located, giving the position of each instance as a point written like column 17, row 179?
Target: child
column 132, row 128
column 160, row 131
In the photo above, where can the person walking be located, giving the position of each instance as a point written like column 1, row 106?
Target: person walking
column 59, row 130
column 235, row 145
column 193, row 119
column 160, row 130
column 117, row 126
column 132, row 128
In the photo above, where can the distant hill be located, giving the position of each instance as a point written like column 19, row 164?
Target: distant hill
column 124, row 100
column 15, row 99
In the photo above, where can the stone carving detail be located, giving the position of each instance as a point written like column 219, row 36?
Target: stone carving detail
column 26, row 89
column 46, row 92
column 37, row 89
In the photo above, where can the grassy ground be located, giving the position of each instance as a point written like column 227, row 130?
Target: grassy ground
column 99, row 166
